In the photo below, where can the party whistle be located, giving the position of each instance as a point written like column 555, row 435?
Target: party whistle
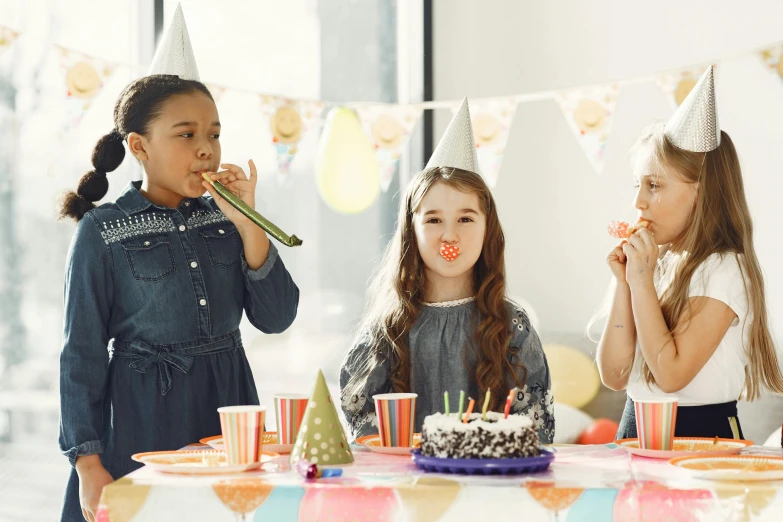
column 251, row 214
column 311, row 471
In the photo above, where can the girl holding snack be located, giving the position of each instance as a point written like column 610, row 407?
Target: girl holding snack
column 688, row 317
column 155, row 287
column 439, row 320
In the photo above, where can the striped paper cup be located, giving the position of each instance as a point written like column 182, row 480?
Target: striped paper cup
column 396, row 415
column 655, row 422
column 243, row 433
column 289, row 411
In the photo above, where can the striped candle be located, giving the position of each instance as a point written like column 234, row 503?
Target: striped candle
column 655, row 422
column 243, row 433
column 396, row 416
column 289, row 411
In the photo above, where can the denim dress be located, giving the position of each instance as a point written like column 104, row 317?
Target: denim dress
column 442, row 344
column 153, row 301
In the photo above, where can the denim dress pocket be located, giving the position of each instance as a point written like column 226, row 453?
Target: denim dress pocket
column 223, row 244
column 150, row 258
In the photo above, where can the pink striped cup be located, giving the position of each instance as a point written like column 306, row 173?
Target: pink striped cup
column 396, row 416
column 655, row 422
column 289, row 411
column 243, row 433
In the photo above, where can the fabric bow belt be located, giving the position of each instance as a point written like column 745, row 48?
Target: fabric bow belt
column 177, row 356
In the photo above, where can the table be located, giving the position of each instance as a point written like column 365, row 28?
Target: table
column 584, row 483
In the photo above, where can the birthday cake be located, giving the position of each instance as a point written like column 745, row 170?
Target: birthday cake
column 446, row 436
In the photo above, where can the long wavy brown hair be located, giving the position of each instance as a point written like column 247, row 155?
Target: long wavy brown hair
column 397, row 292
column 720, row 222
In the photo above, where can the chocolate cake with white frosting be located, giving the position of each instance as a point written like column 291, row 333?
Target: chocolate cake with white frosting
column 445, row 436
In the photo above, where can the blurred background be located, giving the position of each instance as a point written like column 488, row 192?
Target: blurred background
column 559, row 92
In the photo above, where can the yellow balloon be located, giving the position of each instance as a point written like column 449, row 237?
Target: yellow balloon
column 347, row 171
column 575, row 379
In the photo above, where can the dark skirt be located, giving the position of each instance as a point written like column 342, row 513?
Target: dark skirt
column 144, row 418
column 710, row 420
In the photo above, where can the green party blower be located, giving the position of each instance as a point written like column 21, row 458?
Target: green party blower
column 251, row 214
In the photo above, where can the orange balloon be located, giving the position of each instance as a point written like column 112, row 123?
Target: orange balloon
column 601, row 431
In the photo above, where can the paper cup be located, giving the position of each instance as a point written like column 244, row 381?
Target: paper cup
column 289, row 411
column 396, row 416
column 243, row 433
column 655, row 422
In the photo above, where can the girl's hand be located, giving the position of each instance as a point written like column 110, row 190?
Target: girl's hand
column 91, row 482
column 641, row 252
column 236, row 181
column 616, row 261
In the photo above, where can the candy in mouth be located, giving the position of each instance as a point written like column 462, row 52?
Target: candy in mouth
column 449, row 252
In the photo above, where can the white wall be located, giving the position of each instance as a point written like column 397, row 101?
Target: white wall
column 553, row 206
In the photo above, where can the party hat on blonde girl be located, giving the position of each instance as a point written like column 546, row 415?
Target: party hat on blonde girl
column 695, row 126
column 321, row 439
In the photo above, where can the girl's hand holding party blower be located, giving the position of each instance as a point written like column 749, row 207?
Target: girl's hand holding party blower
column 236, row 179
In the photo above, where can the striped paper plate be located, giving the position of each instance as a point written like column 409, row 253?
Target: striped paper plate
column 373, row 443
column 270, row 443
column 688, row 446
column 738, row 467
column 197, row 462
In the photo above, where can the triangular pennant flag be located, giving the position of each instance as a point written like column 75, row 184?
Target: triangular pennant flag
column 456, row 148
column 174, row 54
column 289, row 120
column 321, row 439
column 771, row 58
column 389, row 128
column 7, row 38
column 217, row 91
column 84, row 77
column 589, row 112
column 491, row 119
column 676, row 85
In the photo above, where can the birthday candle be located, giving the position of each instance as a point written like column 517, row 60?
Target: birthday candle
column 446, row 401
column 486, row 405
column 508, row 402
column 471, row 403
column 461, row 403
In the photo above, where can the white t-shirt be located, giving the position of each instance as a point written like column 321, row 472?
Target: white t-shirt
column 722, row 379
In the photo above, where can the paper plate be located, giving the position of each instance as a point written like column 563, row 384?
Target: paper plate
column 270, row 443
column 373, row 443
column 688, row 446
column 197, row 462
column 739, row 467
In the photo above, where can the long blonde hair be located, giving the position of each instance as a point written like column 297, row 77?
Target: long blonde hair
column 720, row 222
column 397, row 294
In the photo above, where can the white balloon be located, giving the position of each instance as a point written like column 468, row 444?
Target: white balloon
column 774, row 440
column 569, row 423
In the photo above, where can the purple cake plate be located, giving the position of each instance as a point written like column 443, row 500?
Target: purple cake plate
column 484, row 466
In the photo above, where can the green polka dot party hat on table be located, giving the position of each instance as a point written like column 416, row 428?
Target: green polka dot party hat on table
column 321, row 439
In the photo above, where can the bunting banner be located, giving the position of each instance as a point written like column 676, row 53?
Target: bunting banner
column 491, row 119
column 289, row 121
column 676, row 85
column 770, row 57
column 589, row 112
column 389, row 128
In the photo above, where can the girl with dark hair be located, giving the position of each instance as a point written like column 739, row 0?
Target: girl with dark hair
column 155, row 287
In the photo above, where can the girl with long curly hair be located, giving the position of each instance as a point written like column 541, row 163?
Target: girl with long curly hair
column 438, row 317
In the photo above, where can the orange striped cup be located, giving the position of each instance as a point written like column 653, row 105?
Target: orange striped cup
column 243, row 433
column 396, row 416
column 289, row 411
column 655, row 422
